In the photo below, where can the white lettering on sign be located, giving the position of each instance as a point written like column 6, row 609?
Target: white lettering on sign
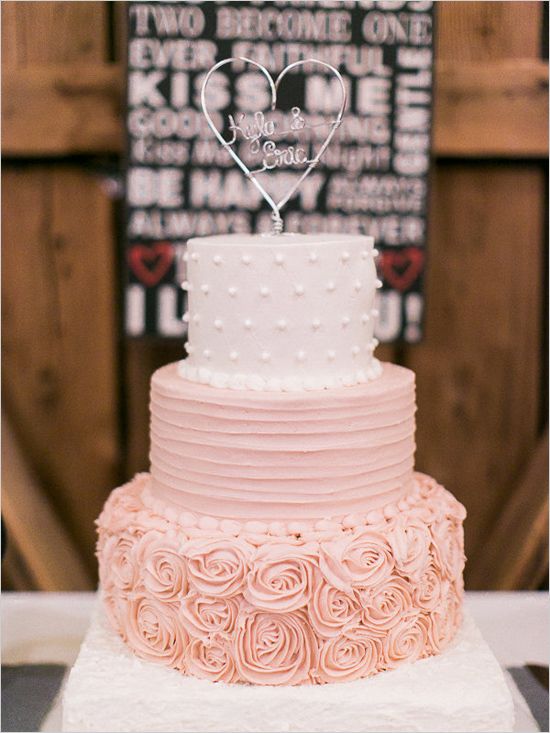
column 413, row 115
column 166, row 122
column 414, row 307
column 147, row 187
column 252, row 93
column 166, row 152
column 218, row 189
column 372, row 178
column 179, row 90
column 388, row 326
column 155, row 224
column 373, row 96
column 324, row 95
column 376, row 193
column 392, row 28
column 420, row 58
column 135, row 310
column 348, row 58
column 288, row 24
column 356, row 158
column 169, row 322
column 218, row 95
column 142, row 88
column 180, row 54
column 167, row 20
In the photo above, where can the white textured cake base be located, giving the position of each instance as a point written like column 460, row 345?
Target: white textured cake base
column 463, row 689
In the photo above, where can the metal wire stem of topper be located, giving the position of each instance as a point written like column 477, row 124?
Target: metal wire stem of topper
column 262, row 129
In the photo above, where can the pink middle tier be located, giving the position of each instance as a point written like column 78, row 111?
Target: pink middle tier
column 282, row 456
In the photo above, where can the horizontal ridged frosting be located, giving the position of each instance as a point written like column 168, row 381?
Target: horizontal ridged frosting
column 256, row 455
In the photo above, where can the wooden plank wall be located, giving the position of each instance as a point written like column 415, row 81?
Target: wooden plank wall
column 58, row 292
column 479, row 366
column 480, row 369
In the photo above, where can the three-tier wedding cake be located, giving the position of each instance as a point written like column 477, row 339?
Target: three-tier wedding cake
column 282, row 539
column 282, row 536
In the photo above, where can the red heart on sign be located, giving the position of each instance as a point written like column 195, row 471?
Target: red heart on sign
column 400, row 268
column 150, row 264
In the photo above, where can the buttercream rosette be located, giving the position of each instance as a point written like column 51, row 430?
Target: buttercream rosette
column 311, row 604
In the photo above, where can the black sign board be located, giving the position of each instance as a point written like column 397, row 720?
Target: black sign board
column 372, row 178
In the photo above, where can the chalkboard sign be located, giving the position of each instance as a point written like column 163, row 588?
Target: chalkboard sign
column 371, row 180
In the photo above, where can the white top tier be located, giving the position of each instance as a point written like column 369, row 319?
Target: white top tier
column 281, row 312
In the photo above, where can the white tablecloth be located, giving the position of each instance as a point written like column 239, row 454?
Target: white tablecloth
column 49, row 627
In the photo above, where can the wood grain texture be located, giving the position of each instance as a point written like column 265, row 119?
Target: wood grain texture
column 58, row 337
column 53, row 32
column 478, row 369
column 60, row 386
column 487, row 31
column 51, row 561
column 480, row 366
column 62, row 110
column 119, row 22
column 495, row 109
column 523, row 526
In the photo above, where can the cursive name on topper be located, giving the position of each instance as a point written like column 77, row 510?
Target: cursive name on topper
column 260, row 128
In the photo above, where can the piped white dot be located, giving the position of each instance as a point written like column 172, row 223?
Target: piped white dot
column 375, row 312
column 265, row 356
column 189, row 347
column 247, row 323
column 357, row 285
column 355, row 350
column 331, row 287
column 282, row 324
column 185, row 285
column 331, row 355
column 264, row 291
column 301, row 356
column 299, row 289
column 364, row 254
column 217, row 259
column 196, row 318
column 205, row 289
column 378, row 283
column 185, row 318
column 345, row 256
column 185, row 257
column 279, row 258
column 246, row 259
column 345, row 321
column 313, row 257
column 195, row 256
column 365, row 318
column 375, row 252
column 232, row 291
column 234, row 355
column 315, row 324
column 218, row 324
column 207, row 354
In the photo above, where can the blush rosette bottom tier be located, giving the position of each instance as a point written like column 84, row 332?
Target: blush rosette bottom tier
column 301, row 607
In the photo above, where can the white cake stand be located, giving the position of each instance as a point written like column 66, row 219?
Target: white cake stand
column 109, row 689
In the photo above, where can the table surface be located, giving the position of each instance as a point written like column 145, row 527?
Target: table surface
column 49, row 628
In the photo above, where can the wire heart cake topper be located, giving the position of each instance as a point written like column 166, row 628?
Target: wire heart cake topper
column 260, row 134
